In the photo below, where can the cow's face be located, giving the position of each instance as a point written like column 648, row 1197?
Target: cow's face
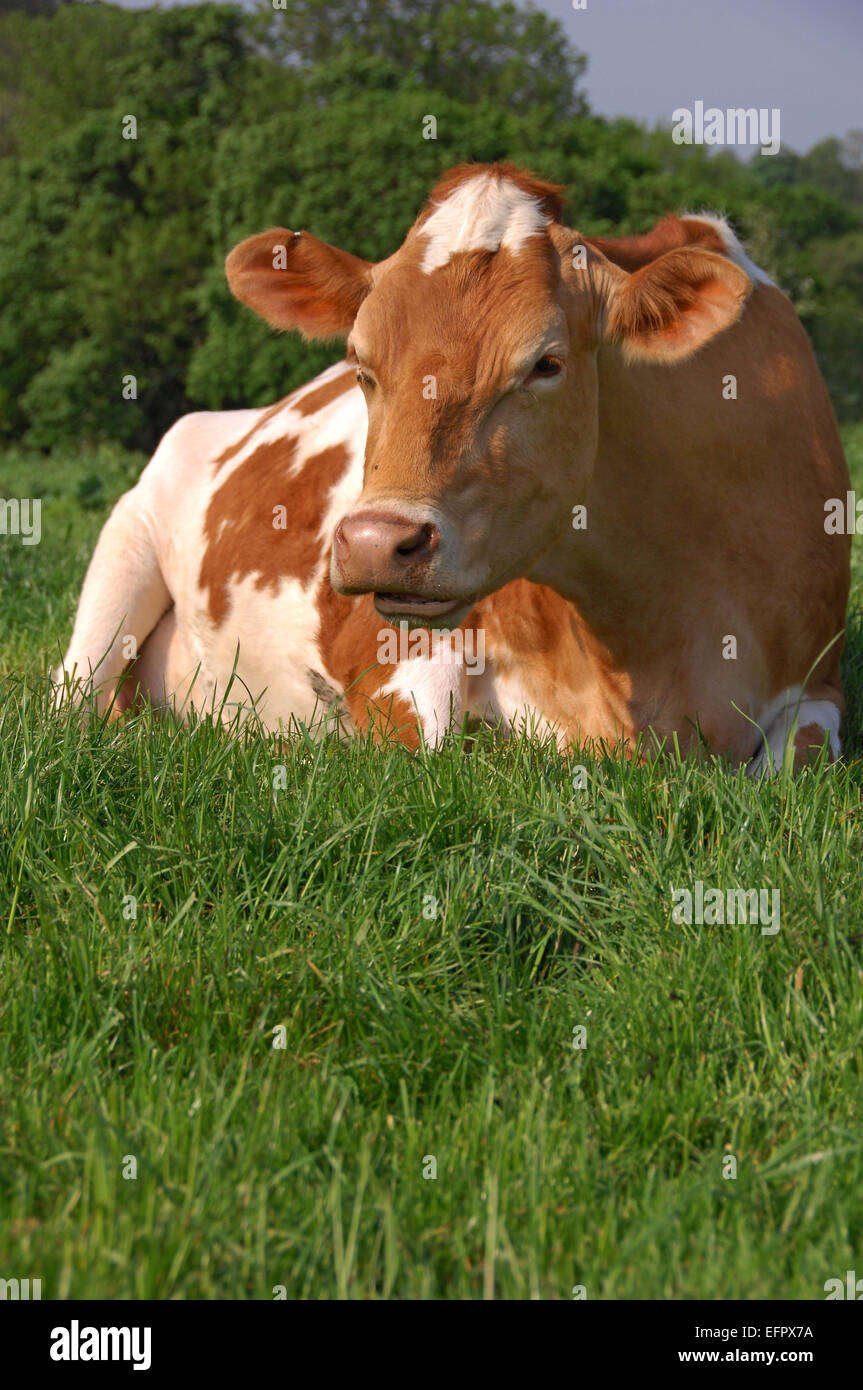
column 475, row 349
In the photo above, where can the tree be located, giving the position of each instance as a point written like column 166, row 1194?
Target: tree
column 54, row 68
column 30, row 7
column 517, row 57
column 112, row 250
column 102, row 241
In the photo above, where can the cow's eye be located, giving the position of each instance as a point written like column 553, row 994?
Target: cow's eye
column 364, row 378
column 542, row 370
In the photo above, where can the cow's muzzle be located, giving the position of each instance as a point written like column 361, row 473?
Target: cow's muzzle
column 399, row 560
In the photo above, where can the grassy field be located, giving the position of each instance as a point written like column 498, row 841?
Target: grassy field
column 423, row 934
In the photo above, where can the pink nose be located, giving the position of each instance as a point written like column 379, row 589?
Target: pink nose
column 378, row 551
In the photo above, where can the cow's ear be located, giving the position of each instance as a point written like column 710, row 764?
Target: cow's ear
column 295, row 281
column 673, row 305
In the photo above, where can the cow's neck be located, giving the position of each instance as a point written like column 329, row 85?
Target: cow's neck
column 648, row 516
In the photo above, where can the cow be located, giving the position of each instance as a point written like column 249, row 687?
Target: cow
column 601, row 462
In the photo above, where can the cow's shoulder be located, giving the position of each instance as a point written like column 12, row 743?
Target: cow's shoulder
column 195, row 444
column 203, row 448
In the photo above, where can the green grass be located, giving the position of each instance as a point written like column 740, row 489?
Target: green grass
column 408, row 1035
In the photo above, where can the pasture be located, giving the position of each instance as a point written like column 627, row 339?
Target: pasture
column 422, row 936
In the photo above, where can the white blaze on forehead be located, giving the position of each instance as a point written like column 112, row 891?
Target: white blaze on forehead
column 481, row 214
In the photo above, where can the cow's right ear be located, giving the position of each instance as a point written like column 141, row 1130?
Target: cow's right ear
column 672, row 306
column 295, row 281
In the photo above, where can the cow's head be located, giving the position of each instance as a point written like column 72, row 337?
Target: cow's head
column 475, row 348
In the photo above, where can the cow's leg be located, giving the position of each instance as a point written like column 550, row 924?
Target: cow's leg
column 164, row 673
column 123, row 598
column 417, row 700
column 431, row 689
column 809, row 718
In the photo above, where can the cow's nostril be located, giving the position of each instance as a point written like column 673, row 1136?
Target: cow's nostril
column 340, row 541
column 423, row 541
column 381, row 550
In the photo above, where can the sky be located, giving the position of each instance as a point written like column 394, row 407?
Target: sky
column 649, row 57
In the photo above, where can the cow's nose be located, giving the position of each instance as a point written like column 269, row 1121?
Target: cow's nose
column 376, row 549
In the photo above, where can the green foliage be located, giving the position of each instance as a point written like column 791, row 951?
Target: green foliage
column 835, row 166
column 101, row 244
column 54, row 69
column 511, row 56
column 112, row 249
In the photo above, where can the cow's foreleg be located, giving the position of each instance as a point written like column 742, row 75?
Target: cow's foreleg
column 808, row 718
column 123, row 598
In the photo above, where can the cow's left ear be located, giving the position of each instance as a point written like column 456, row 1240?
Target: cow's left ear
column 672, row 306
column 295, row 281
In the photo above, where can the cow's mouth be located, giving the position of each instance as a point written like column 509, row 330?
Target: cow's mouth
column 411, row 605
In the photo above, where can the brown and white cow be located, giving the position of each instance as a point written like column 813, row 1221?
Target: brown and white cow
column 607, row 459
